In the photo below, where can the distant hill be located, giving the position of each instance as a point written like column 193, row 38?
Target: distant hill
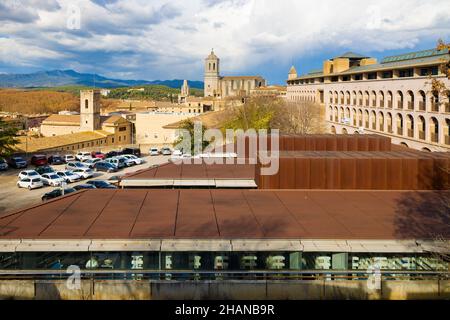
column 58, row 78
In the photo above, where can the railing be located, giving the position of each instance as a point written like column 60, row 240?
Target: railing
column 390, row 104
column 389, row 129
column 447, row 107
column 381, row 103
column 422, row 135
column 367, row 103
column 434, row 137
column 399, row 104
column 434, row 107
column 223, row 275
column 410, row 133
column 447, row 140
column 381, row 127
column 374, row 103
column 399, row 131
column 360, row 102
column 422, row 105
column 354, row 102
column 410, row 105
column 374, row 126
column 367, row 124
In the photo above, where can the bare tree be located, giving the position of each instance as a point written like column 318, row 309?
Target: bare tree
column 301, row 118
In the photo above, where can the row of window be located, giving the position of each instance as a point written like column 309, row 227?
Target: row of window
column 404, row 125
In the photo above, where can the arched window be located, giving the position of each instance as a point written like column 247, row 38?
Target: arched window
column 373, row 99
column 399, row 100
column 374, row 120
column 366, row 119
column 389, row 122
column 86, row 104
column 399, row 124
column 381, row 121
column 410, row 100
column 447, row 132
column 410, row 126
column 422, row 127
column 434, row 130
column 422, row 100
column 381, row 97
column 389, row 99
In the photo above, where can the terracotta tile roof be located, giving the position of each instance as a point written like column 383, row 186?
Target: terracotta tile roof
column 232, row 214
column 45, row 143
column 63, row 119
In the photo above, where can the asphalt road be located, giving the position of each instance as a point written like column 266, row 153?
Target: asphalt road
column 13, row 198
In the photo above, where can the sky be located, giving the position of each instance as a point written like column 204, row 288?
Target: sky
column 162, row 39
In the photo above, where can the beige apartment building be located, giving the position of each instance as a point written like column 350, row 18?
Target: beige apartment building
column 392, row 98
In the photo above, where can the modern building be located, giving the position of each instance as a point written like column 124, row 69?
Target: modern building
column 393, row 98
column 218, row 86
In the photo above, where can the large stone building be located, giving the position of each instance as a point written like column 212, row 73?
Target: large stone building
column 89, row 120
column 222, row 87
column 392, row 98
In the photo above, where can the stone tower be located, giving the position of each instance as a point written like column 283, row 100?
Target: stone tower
column 292, row 73
column 212, row 75
column 90, row 110
column 184, row 92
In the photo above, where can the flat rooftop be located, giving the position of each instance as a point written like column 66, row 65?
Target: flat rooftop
column 233, row 214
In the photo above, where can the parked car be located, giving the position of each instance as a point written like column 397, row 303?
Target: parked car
column 166, row 151
column 55, row 159
column 3, row 164
column 28, row 174
column 115, row 180
column 17, row 162
column 154, row 151
column 134, row 151
column 91, row 162
column 84, row 186
column 75, row 165
column 84, row 173
column 131, row 160
column 68, row 176
column 39, row 160
column 45, row 169
column 83, row 155
column 69, row 158
column 118, row 161
column 51, row 179
column 112, row 154
column 98, row 154
column 101, row 184
column 56, row 193
column 105, row 166
column 30, row 183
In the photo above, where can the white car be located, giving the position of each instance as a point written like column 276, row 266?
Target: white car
column 91, row 162
column 30, row 183
column 68, row 176
column 166, row 151
column 83, row 156
column 132, row 160
column 51, row 179
column 69, row 158
column 28, row 174
column 154, row 151
column 84, row 173
column 75, row 165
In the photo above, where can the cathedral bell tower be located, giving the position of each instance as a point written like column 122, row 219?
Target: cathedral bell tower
column 212, row 75
column 90, row 110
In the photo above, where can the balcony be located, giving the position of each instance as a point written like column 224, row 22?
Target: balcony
column 381, row 103
column 400, row 131
column 410, row 105
column 399, row 104
column 434, row 137
column 390, row 104
column 367, row 124
column 374, row 103
column 360, row 102
column 354, row 102
column 422, row 135
column 411, row 133
column 336, row 119
column 447, row 140
column 447, row 107
column 422, row 105
column 434, row 107
column 381, row 127
column 367, row 103
column 389, row 129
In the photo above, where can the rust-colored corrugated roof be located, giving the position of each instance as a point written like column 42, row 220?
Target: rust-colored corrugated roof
column 182, row 170
column 232, row 214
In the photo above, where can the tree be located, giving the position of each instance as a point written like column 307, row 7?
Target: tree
column 8, row 139
column 189, row 126
column 300, row 118
column 438, row 86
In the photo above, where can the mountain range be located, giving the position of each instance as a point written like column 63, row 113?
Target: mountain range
column 57, row 78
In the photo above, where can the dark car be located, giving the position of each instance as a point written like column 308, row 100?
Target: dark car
column 39, row 160
column 45, row 169
column 56, row 159
column 17, row 162
column 56, row 193
column 134, row 151
column 100, row 184
column 105, row 166
column 3, row 164
column 84, row 186
column 113, row 154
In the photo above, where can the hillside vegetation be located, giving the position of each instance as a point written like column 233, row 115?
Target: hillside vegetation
column 152, row 92
column 37, row 101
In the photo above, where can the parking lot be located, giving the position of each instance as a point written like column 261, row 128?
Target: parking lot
column 13, row 198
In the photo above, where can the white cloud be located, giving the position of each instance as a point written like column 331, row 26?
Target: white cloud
column 168, row 39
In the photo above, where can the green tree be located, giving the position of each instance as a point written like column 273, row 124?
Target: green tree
column 8, row 139
column 189, row 126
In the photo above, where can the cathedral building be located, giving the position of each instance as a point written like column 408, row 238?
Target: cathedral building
column 217, row 86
